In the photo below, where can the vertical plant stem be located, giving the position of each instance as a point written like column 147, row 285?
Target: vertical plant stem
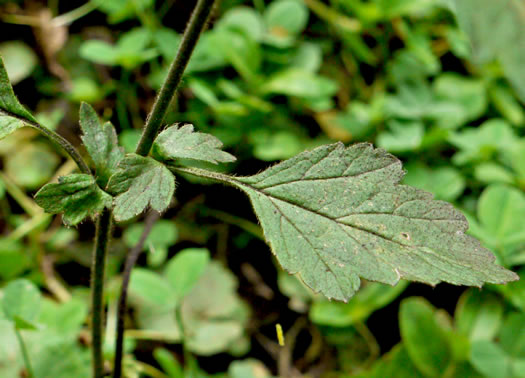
column 191, row 35
column 180, row 322
column 189, row 40
column 97, row 290
column 131, row 260
column 25, row 355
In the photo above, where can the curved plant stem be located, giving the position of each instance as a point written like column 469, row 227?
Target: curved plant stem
column 68, row 147
column 75, row 14
column 189, row 40
column 56, row 138
column 97, row 290
column 25, row 355
column 62, row 20
column 326, row 13
column 131, row 260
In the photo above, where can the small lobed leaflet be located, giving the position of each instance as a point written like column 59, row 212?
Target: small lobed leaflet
column 75, row 195
column 101, row 142
column 184, row 143
column 336, row 214
column 140, row 182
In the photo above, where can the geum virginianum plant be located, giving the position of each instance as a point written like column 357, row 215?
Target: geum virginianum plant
column 332, row 215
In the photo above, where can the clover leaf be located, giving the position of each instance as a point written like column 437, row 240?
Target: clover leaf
column 21, row 303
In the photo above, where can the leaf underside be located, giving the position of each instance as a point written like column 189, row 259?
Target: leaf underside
column 101, row 143
column 184, row 143
column 138, row 182
column 336, row 214
column 76, row 195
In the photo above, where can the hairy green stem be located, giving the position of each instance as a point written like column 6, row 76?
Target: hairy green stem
column 191, row 35
column 204, row 173
column 56, row 138
column 97, row 290
column 68, row 147
column 131, row 260
column 25, row 355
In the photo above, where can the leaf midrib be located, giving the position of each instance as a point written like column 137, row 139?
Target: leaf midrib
column 413, row 247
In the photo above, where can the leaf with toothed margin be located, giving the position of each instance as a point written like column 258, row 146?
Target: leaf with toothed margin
column 101, row 143
column 336, row 214
column 138, row 182
column 184, row 143
column 76, row 195
column 12, row 113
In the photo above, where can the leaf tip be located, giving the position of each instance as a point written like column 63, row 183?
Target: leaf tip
column 510, row 277
column 84, row 108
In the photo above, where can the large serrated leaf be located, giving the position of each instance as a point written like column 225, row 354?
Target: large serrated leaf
column 101, row 143
column 10, row 109
column 138, row 182
column 76, row 195
column 184, row 143
column 336, row 214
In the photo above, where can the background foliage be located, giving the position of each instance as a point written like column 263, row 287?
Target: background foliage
column 439, row 83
